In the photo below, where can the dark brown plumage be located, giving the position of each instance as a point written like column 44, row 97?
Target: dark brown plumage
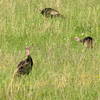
column 87, row 41
column 25, row 66
column 49, row 12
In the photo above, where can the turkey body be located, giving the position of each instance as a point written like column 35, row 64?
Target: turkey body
column 49, row 12
column 25, row 66
column 87, row 42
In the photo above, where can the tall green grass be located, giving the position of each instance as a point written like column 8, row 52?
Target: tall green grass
column 63, row 68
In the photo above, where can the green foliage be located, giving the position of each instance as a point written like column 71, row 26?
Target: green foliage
column 63, row 68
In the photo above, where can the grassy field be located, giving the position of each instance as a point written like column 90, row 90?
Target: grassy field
column 63, row 68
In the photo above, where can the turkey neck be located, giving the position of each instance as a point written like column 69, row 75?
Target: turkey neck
column 81, row 40
column 27, row 52
column 29, row 59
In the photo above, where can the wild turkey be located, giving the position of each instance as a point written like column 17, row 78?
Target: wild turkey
column 49, row 12
column 87, row 41
column 25, row 66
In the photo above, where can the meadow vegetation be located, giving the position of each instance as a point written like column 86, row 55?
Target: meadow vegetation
column 63, row 68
